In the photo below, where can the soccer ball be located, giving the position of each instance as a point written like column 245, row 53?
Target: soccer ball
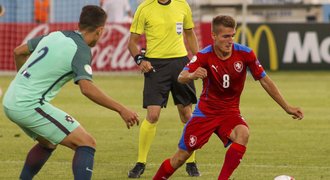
column 284, row 177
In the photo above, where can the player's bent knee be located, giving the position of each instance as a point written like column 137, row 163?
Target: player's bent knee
column 79, row 137
column 87, row 140
column 180, row 158
column 240, row 135
column 177, row 161
column 243, row 137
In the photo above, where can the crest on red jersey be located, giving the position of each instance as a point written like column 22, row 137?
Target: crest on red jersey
column 192, row 140
column 238, row 66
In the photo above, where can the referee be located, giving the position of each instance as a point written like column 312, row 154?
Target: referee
column 163, row 22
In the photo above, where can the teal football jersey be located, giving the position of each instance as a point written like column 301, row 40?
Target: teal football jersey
column 56, row 59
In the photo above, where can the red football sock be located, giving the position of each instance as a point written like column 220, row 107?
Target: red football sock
column 233, row 158
column 164, row 171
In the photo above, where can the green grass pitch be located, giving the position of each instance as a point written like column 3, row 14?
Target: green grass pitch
column 278, row 145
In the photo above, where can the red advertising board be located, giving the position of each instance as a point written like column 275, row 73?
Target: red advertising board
column 110, row 53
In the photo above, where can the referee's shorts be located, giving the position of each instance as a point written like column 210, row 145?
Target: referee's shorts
column 163, row 80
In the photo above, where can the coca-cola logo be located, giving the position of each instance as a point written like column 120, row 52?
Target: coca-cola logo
column 37, row 31
column 110, row 53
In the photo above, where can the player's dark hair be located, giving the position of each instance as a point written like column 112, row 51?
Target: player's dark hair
column 226, row 21
column 92, row 17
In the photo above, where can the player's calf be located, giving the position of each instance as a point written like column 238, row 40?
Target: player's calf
column 83, row 162
column 35, row 159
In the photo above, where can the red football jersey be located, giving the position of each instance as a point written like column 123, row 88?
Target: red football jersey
column 225, row 79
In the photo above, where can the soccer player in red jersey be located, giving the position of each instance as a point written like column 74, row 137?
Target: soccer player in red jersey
column 223, row 68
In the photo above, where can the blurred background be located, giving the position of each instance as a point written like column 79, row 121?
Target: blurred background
column 290, row 37
column 285, row 34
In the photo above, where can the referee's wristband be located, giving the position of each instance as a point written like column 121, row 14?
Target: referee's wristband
column 138, row 59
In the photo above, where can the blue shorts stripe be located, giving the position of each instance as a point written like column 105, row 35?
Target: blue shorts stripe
column 197, row 112
column 181, row 142
column 182, row 145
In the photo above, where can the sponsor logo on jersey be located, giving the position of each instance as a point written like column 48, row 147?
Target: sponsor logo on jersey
column 238, row 66
column 88, row 69
column 179, row 28
column 215, row 67
column 192, row 140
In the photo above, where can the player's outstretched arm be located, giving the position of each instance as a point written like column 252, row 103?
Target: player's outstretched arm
column 274, row 92
column 95, row 94
column 185, row 76
column 21, row 53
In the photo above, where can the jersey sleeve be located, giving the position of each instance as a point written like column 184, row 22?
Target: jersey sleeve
column 255, row 67
column 33, row 43
column 188, row 22
column 195, row 62
column 138, row 23
column 81, row 65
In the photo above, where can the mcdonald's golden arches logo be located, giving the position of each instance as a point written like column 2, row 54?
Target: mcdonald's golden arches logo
column 254, row 40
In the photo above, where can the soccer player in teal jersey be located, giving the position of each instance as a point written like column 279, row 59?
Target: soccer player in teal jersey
column 52, row 61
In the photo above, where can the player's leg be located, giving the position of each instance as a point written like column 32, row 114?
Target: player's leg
column 43, row 127
column 28, row 121
column 155, row 96
column 63, row 129
column 193, row 137
column 84, row 146
column 184, row 95
column 236, row 132
column 169, row 166
column 185, row 114
column 36, row 158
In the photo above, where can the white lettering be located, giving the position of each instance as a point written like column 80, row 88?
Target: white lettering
column 294, row 48
column 39, row 30
column 116, row 57
column 325, row 50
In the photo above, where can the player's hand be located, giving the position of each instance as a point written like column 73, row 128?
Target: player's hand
column 199, row 73
column 129, row 117
column 145, row 66
column 296, row 112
